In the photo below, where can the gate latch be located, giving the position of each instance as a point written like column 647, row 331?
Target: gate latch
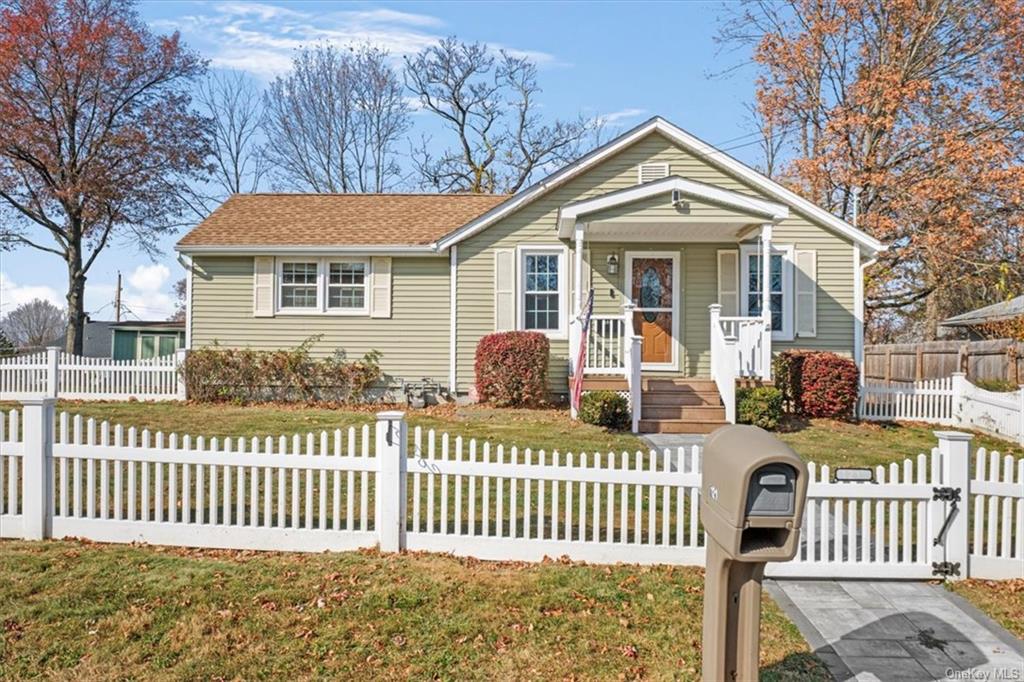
column 945, row 494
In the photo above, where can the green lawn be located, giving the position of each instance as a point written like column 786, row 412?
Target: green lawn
column 76, row 610
column 820, row 440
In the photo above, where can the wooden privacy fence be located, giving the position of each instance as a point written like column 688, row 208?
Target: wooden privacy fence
column 52, row 373
column 61, row 475
column 992, row 360
column 953, row 401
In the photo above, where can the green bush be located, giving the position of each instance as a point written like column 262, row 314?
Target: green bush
column 997, row 385
column 761, row 406
column 243, row 375
column 605, row 408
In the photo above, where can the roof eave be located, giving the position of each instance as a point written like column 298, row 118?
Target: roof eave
column 324, row 249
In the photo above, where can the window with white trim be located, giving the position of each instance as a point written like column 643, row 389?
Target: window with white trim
column 346, row 285
column 542, row 298
column 780, row 282
column 299, row 285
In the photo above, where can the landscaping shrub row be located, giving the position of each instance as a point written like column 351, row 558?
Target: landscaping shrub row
column 215, row 374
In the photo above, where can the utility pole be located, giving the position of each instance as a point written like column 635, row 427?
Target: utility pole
column 117, row 299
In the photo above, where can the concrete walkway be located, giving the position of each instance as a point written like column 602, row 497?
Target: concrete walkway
column 889, row 630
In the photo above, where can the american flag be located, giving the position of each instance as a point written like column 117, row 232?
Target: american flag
column 577, row 379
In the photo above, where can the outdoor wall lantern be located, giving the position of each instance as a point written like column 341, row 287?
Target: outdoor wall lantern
column 613, row 264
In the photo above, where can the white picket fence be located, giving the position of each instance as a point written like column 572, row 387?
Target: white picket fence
column 61, row 475
column 53, row 373
column 953, row 401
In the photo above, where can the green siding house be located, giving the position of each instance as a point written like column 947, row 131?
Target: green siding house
column 145, row 340
column 647, row 252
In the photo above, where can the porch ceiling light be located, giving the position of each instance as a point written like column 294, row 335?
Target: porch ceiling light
column 613, row 264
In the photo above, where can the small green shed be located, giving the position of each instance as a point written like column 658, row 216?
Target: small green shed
column 140, row 340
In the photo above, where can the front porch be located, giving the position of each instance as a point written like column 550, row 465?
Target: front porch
column 654, row 267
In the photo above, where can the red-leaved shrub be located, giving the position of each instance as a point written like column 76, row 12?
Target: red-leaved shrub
column 787, row 368
column 829, row 385
column 512, row 368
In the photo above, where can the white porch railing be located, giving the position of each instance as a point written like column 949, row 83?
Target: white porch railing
column 612, row 350
column 752, row 347
column 606, row 345
column 740, row 347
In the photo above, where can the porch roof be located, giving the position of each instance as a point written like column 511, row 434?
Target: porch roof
column 610, row 215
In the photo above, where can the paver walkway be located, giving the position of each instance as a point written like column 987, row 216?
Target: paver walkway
column 890, row 630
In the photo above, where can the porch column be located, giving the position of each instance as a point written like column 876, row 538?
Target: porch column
column 766, row 301
column 575, row 324
column 577, row 285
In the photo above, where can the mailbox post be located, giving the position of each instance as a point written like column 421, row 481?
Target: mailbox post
column 752, row 503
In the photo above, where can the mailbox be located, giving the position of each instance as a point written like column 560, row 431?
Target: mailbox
column 752, row 502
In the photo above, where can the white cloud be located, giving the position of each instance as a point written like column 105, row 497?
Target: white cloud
column 261, row 38
column 623, row 114
column 149, row 278
column 13, row 294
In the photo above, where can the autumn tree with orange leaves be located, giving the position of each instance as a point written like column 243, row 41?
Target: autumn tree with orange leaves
column 97, row 136
column 919, row 105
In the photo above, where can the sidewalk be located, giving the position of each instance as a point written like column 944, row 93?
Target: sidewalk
column 890, row 630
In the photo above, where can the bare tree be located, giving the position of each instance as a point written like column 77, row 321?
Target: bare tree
column 333, row 121
column 382, row 118
column 34, row 324
column 235, row 104
column 490, row 104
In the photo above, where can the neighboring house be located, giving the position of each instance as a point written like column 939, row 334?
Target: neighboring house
column 974, row 321
column 95, row 339
column 655, row 216
column 143, row 340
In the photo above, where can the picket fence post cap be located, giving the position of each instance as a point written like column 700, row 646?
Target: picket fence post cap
column 390, row 415
column 40, row 401
column 958, row 436
column 959, row 374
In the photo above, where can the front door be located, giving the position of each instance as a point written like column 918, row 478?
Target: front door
column 653, row 289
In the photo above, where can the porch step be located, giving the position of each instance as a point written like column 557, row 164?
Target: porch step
column 701, row 413
column 680, row 405
column 678, row 426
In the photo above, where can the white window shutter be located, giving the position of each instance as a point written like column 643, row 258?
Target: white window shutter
column 648, row 172
column 504, row 290
column 729, row 282
column 806, row 293
column 263, row 286
column 380, row 286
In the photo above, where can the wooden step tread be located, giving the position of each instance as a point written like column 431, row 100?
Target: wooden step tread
column 683, row 412
column 679, row 426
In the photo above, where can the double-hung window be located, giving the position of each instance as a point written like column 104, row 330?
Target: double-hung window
column 780, row 282
column 346, row 286
column 542, row 279
column 300, row 285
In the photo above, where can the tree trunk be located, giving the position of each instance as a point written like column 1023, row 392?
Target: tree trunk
column 76, row 303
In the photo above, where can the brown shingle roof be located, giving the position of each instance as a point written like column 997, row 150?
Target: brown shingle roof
column 337, row 219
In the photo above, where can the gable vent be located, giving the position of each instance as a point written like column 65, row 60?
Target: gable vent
column 646, row 172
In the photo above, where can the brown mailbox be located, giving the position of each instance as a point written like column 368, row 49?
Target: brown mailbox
column 752, row 502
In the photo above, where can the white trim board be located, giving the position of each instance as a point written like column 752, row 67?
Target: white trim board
column 702, row 149
column 570, row 213
column 562, row 250
column 677, row 311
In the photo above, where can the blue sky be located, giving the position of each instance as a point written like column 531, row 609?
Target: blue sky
column 623, row 61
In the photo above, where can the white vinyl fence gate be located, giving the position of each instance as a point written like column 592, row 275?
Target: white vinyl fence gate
column 62, row 475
